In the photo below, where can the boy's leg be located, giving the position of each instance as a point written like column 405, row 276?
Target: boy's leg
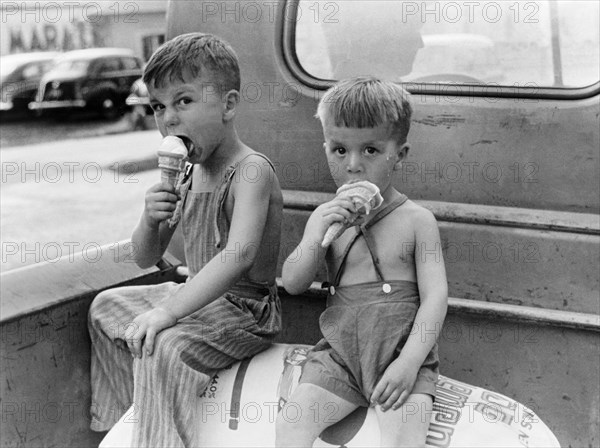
column 111, row 366
column 406, row 426
column 186, row 357
column 166, row 392
column 309, row 411
column 110, row 314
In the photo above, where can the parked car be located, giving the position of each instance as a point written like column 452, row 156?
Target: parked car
column 97, row 79
column 20, row 75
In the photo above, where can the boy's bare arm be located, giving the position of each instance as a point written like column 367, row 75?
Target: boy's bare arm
column 150, row 242
column 433, row 290
column 399, row 378
column 300, row 268
column 152, row 234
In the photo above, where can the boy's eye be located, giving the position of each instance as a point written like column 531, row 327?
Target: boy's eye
column 185, row 101
column 340, row 150
column 156, row 107
column 370, row 150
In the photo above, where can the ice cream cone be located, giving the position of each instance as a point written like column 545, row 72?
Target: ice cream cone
column 172, row 155
column 364, row 195
column 170, row 165
column 334, row 231
column 171, row 159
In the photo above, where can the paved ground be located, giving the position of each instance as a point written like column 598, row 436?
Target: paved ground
column 20, row 130
column 65, row 196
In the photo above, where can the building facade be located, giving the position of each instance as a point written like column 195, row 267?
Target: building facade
column 69, row 25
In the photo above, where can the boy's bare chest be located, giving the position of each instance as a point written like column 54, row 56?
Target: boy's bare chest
column 391, row 246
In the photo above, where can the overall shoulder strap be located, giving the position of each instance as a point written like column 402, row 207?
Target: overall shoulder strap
column 363, row 230
column 223, row 191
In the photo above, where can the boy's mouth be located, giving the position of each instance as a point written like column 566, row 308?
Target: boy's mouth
column 188, row 144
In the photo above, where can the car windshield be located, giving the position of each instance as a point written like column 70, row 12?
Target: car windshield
column 72, row 65
column 544, row 43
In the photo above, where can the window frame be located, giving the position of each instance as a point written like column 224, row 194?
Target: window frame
column 288, row 20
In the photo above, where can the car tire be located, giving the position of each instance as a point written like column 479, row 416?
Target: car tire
column 60, row 115
column 109, row 106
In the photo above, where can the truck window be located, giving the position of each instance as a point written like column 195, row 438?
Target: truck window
column 518, row 44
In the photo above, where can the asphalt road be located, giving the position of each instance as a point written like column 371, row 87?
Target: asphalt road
column 70, row 196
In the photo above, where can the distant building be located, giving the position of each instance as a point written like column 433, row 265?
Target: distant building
column 44, row 25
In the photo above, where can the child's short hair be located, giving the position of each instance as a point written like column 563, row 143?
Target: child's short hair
column 367, row 102
column 196, row 55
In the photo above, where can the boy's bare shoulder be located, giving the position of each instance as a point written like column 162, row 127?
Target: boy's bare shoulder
column 417, row 210
column 252, row 157
column 414, row 211
column 256, row 168
column 421, row 221
column 256, row 182
column 415, row 215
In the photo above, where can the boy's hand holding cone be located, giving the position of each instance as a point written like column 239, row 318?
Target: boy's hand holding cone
column 364, row 195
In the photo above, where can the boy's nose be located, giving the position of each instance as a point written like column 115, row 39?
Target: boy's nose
column 170, row 117
column 353, row 163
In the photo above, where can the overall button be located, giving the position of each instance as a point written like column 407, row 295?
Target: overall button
column 387, row 288
column 332, row 290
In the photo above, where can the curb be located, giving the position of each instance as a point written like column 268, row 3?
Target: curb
column 134, row 166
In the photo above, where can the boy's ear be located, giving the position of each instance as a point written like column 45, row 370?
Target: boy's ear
column 401, row 153
column 230, row 102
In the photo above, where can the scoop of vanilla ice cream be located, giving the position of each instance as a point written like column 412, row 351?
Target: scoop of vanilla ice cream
column 174, row 145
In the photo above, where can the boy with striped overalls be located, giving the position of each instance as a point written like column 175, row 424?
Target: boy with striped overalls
column 157, row 347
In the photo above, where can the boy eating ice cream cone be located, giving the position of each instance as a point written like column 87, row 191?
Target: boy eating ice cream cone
column 159, row 346
column 388, row 291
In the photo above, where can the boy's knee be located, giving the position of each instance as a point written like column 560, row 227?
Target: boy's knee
column 404, row 444
column 99, row 311
column 292, row 432
column 280, row 425
column 101, row 303
column 284, row 432
column 405, row 437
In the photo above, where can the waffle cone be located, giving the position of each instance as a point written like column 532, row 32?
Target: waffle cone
column 170, row 160
column 170, row 165
column 169, row 176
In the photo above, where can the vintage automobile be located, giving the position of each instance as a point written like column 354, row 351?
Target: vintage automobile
column 97, row 79
column 20, row 75
column 510, row 170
